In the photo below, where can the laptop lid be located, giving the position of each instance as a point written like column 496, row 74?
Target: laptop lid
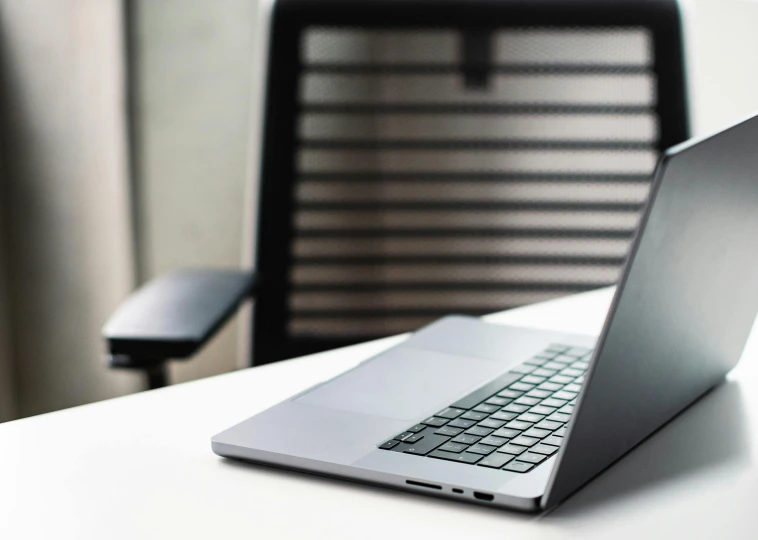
column 683, row 308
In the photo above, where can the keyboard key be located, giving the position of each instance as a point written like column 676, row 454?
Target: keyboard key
column 553, row 402
column 559, row 417
column 581, row 364
column 567, row 409
column 483, row 392
column 403, row 436
column 491, row 423
column 454, row 447
column 474, row 415
column 507, row 433
column 450, row 413
column 518, row 466
column 492, row 440
column 537, row 361
column 580, row 380
column 525, row 441
column 550, row 386
column 561, row 379
column 553, row 441
column 523, row 368
column 549, row 424
column 417, row 428
column 541, row 409
column 416, row 437
column 538, row 433
column 448, row 431
column 573, row 388
column 531, row 418
column 578, row 351
column 560, row 432
column 542, row 394
column 465, row 457
column 571, row 372
column 515, row 407
column 512, row 449
column 563, row 359
column 462, row 423
column 504, row 415
column 564, row 395
column 518, row 424
column 389, row 444
column 533, row 379
column 557, row 366
column 434, row 421
column 495, row 461
column 425, row 445
column 521, row 386
column 481, row 449
column 479, row 431
column 557, row 348
column 510, row 394
column 544, row 372
column 497, row 400
column 532, row 458
column 486, row 408
column 526, row 400
column 545, row 449
column 466, row 439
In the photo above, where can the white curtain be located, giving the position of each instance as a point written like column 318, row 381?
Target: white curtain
column 65, row 232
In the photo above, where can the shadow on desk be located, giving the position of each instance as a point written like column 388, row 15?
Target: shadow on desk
column 711, row 434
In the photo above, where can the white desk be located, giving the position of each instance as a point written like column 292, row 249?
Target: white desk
column 142, row 467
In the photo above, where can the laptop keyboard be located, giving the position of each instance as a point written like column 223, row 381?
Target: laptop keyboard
column 513, row 423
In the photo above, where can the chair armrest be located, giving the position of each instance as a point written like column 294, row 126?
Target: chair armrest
column 174, row 315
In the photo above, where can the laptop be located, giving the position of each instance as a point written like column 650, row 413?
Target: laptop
column 521, row 418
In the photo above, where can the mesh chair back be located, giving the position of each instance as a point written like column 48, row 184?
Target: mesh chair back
column 435, row 157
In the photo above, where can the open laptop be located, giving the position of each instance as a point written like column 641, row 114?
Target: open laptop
column 521, row 418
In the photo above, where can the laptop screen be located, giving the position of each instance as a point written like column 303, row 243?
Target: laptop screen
column 683, row 309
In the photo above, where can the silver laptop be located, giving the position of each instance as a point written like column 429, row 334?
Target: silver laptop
column 520, row 418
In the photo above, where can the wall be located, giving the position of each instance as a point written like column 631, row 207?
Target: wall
column 193, row 75
column 724, row 66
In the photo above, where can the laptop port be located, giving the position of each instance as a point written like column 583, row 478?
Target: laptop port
column 422, row 484
column 484, row 496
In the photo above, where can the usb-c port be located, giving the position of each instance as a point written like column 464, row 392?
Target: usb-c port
column 484, row 496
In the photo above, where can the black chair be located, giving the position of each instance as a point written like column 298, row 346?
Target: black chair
column 428, row 157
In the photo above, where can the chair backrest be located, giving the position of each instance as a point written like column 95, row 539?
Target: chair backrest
column 430, row 157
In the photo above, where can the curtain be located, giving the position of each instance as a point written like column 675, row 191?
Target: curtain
column 7, row 390
column 65, row 221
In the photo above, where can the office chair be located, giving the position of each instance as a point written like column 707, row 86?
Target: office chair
column 432, row 156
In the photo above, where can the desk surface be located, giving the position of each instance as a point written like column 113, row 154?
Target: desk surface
column 141, row 466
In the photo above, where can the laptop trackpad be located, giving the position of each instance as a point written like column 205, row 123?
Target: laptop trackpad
column 404, row 384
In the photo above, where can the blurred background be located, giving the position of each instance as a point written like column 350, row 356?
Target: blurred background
column 128, row 133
